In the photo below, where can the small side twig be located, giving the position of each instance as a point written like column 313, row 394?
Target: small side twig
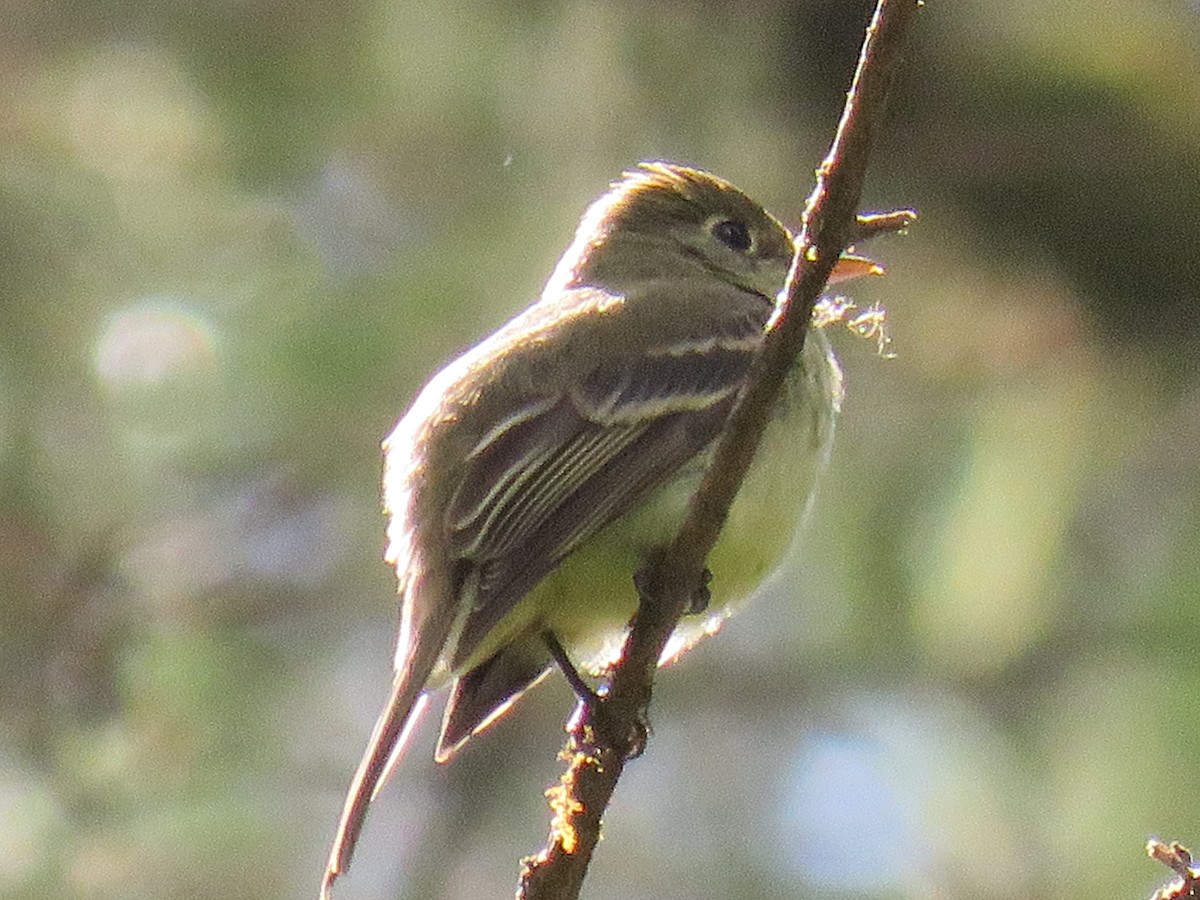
column 869, row 225
column 603, row 738
column 1178, row 859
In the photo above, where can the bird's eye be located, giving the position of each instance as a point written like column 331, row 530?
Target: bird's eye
column 733, row 234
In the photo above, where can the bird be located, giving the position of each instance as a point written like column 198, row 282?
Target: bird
column 533, row 474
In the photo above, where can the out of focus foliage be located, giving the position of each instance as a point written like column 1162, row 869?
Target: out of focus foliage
column 235, row 236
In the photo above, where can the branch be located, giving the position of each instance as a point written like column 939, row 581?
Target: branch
column 1178, row 859
column 604, row 736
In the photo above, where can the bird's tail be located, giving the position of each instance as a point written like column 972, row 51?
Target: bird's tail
column 388, row 739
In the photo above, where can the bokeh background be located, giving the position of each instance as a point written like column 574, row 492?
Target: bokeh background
column 235, row 237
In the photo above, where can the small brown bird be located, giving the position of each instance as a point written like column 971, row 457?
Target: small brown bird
column 531, row 475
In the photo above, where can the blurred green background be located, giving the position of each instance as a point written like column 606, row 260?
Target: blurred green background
column 236, row 236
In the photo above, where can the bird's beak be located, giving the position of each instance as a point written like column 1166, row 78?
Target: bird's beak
column 853, row 266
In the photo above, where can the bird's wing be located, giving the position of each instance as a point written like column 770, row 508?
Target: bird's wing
column 635, row 405
column 563, row 466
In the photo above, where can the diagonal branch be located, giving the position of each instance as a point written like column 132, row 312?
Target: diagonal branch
column 604, row 736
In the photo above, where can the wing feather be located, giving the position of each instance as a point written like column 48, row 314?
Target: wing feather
column 566, row 463
column 660, row 451
column 548, row 484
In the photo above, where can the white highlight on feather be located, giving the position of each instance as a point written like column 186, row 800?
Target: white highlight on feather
column 748, row 343
column 401, row 743
column 497, row 431
column 615, row 408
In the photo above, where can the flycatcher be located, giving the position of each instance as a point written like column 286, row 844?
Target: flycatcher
column 532, row 475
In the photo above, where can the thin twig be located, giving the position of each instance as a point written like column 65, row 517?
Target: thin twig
column 604, row 737
column 1178, row 859
column 869, row 225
